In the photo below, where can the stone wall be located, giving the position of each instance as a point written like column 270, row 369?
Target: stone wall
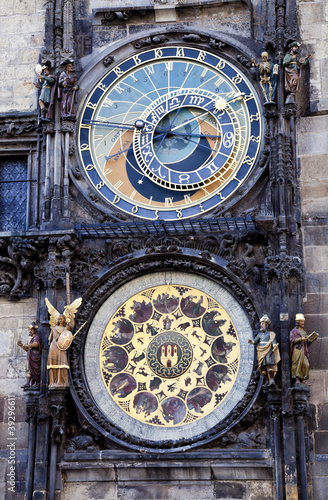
column 21, row 38
column 313, row 155
column 15, row 318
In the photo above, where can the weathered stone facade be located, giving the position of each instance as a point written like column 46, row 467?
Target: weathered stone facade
column 279, row 265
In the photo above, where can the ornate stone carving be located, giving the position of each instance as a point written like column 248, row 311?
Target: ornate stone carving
column 216, row 44
column 13, row 128
column 108, row 60
column 281, row 266
column 150, row 40
column 67, row 126
column 192, row 37
column 18, row 257
column 123, row 15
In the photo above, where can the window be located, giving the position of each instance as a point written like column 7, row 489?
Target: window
column 13, row 193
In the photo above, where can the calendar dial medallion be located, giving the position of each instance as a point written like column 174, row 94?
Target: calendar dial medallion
column 170, row 133
column 169, row 355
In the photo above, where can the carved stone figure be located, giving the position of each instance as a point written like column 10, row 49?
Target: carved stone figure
column 299, row 351
column 293, row 67
column 268, row 355
column 60, row 339
column 268, row 77
column 47, row 95
column 33, row 348
column 67, row 91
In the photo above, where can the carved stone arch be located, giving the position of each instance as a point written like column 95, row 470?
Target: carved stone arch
column 121, row 278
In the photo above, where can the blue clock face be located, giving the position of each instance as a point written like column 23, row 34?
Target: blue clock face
column 170, row 133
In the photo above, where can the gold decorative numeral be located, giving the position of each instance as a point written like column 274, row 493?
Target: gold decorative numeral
column 118, row 71
column 169, row 202
column 249, row 161
column 108, row 103
column 221, row 64
column 85, row 147
column 180, row 52
column 101, row 86
column 201, row 55
column 100, row 185
column 254, row 118
column 150, row 70
column 158, row 53
column 137, row 59
column 118, row 184
column 219, row 82
column 118, row 89
column 91, row 105
column 236, row 79
column 89, row 167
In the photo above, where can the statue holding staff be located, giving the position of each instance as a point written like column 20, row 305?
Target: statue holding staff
column 33, row 348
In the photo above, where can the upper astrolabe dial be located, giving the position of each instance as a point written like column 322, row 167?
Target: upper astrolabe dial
column 170, row 133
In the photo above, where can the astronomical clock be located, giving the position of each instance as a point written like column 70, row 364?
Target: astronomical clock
column 167, row 133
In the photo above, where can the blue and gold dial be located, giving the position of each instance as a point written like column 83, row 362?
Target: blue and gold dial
column 170, row 133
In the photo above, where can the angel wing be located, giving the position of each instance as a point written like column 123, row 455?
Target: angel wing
column 54, row 314
column 71, row 309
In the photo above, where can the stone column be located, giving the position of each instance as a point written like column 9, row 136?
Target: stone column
column 32, row 405
column 273, row 395
column 57, row 403
column 301, row 407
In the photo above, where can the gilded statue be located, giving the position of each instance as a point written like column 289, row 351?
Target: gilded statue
column 59, row 341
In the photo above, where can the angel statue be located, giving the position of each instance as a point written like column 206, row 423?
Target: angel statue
column 60, row 339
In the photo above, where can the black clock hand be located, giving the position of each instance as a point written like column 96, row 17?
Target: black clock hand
column 139, row 124
column 119, row 152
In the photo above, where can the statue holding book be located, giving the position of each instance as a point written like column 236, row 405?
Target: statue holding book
column 299, row 343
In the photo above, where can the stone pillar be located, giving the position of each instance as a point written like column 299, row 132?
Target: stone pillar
column 57, row 403
column 274, row 401
column 32, row 405
column 300, row 408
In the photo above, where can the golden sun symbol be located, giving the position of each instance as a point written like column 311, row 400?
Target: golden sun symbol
column 220, row 103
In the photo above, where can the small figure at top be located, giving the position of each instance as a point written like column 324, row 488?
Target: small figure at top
column 299, row 351
column 268, row 355
column 268, row 78
column 67, row 91
column 47, row 94
column 293, row 67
